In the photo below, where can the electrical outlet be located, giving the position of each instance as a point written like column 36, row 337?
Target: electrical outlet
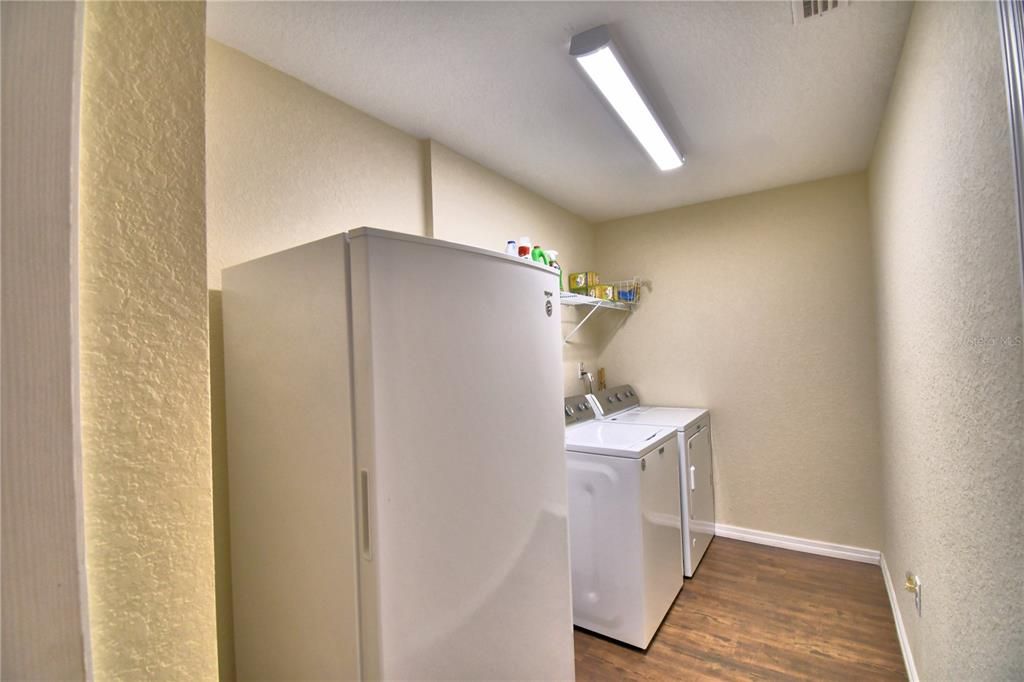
column 582, row 371
column 913, row 584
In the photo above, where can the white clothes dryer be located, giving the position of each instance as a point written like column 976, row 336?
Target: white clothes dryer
column 621, row 405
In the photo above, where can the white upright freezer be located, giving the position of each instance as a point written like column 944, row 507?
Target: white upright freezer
column 389, row 518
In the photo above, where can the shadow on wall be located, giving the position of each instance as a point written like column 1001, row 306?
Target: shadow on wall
column 221, row 521
column 587, row 343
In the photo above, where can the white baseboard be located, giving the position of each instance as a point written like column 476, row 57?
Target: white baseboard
column 867, row 556
column 901, row 632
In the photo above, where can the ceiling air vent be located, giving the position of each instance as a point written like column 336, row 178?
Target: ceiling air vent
column 808, row 9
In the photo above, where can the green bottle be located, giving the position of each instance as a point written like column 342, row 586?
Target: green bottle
column 539, row 256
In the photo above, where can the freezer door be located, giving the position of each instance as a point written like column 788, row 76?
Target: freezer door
column 700, row 493
column 460, row 469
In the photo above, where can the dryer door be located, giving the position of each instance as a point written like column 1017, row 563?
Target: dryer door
column 661, row 528
column 701, row 496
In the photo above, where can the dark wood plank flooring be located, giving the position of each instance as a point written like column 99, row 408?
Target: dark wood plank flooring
column 756, row 612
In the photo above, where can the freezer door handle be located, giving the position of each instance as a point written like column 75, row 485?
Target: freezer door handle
column 693, row 480
column 364, row 514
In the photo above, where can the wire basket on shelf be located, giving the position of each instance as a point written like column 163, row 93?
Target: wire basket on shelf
column 626, row 290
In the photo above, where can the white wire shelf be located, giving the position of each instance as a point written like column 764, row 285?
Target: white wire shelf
column 595, row 304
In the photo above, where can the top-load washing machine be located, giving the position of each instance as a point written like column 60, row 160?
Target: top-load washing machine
column 621, row 405
column 623, row 524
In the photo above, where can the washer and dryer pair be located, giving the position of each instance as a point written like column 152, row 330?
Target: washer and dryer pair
column 641, row 509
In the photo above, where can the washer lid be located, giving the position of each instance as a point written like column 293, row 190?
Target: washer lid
column 677, row 417
column 618, row 440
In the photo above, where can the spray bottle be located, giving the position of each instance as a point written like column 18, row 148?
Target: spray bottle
column 553, row 262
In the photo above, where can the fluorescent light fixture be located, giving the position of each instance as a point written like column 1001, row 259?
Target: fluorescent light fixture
column 599, row 59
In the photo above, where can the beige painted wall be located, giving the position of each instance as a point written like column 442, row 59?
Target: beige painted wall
column 474, row 205
column 288, row 164
column 949, row 305
column 761, row 310
column 145, row 381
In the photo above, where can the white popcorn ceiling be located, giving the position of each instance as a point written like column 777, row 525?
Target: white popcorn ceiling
column 751, row 99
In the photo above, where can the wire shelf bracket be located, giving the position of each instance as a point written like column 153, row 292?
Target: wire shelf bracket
column 595, row 304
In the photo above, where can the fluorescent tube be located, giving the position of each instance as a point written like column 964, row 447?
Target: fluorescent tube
column 603, row 67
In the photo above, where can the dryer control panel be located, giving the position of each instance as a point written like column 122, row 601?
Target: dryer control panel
column 616, row 399
column 577, row 410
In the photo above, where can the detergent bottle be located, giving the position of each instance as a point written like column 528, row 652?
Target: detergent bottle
column 538, row 255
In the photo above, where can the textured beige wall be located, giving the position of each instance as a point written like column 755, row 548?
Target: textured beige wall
column 949, row 307
column 474, row 205
column 145, row 381
column 288, row 164
column 761, row 310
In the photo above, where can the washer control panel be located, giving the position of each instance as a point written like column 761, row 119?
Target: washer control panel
column 616, row 399
column 577, row 409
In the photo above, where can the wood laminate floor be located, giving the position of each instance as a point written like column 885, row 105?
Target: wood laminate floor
column 756, row 612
